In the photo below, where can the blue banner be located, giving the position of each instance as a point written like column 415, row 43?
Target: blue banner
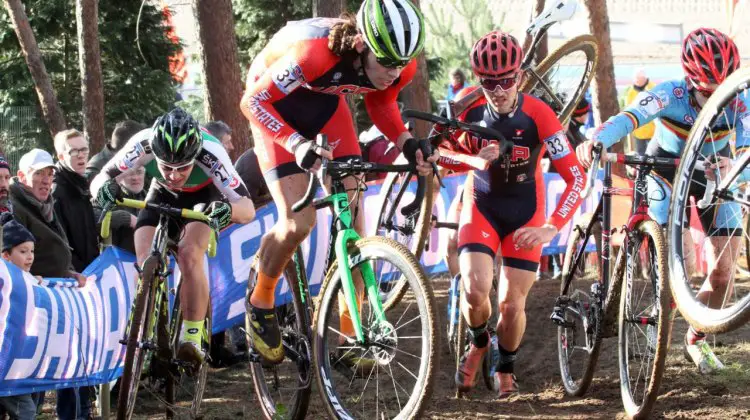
column 56, row 335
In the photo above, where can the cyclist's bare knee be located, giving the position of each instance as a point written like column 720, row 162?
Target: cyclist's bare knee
column 476, row 277
column 298, row 225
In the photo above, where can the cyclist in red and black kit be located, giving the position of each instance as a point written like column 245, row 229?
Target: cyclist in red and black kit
column 504, row 206
column 296, row 89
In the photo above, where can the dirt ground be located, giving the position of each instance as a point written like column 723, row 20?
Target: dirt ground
column 684, row 393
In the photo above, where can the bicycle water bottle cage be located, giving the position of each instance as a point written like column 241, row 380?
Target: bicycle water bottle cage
column 557, row 11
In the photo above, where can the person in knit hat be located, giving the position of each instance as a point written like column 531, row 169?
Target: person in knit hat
column 17, row 247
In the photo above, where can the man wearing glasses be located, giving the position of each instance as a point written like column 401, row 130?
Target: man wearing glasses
column 503, row 208
column 72, row 198
column 190, row 168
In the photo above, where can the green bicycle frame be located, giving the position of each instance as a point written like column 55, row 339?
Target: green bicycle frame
column 345, row 235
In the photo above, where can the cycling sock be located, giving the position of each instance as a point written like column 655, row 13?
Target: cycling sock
column 265, row 289
column 694, row 336
column 191, row 331
column 506, row 361
column 479, row 335
column 345, row 319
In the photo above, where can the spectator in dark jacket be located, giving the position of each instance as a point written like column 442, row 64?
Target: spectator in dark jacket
column 34, row 207
column 123, row 131
column 72, row 198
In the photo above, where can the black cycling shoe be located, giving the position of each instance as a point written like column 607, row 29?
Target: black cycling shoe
column 263, row 330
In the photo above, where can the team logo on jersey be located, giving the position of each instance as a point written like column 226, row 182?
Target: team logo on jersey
column 678, row 92
column 519, row 132
column 521, row 178
column 234, row 183
column 520, row 153
column 485, row 235
column 337, row 76
column 208, row 160
column 689, row 119
column 343, row 89
column 333, row 144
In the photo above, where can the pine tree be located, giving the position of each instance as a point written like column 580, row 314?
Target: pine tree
column 136, row 86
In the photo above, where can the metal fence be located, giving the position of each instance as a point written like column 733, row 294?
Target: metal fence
column 21, row 129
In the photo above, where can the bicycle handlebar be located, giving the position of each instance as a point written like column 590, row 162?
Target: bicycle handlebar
column 356, row 167
column 166, row 209
column 506, row 146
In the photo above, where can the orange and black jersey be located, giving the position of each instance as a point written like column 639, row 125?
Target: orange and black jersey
column 532, row 127
column 298, row 58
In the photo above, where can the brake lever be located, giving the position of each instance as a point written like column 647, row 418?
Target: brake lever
column 426, row 148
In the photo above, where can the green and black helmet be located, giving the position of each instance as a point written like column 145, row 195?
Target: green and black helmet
column 392, row 29
column 176, row 137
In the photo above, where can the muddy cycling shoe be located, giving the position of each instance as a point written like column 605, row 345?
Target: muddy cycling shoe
column 191, row 354
column 351, row 364
column 468, row 367
column 506, row 384
column 263, row 331
column 702, row 356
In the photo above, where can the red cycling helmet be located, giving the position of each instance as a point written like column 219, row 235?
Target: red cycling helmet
column 496, row 55
column 708, row 56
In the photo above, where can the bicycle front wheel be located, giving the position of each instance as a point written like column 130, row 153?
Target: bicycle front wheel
column 721, row 303
column 136, row 353
column 390, row 374
column 579, row 337
column 562, row 78
column 283, row 390
column 410, row 230
column 644, row 324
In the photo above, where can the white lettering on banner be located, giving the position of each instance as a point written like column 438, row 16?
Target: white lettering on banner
column 35, row 326
column 60, row 342
column 111, row 281
column 7, row 287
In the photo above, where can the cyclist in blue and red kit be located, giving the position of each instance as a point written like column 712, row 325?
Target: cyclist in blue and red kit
column 504, row 206
column 708, row 57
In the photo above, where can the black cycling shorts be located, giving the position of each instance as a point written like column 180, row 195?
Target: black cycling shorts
column 196, row 200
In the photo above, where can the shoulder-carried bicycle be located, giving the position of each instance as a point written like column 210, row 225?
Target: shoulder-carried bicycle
column 153, row 330
column 560, row 80
column 722, row 128
column 620, row 299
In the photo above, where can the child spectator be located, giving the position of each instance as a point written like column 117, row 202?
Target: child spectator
column 18, row 248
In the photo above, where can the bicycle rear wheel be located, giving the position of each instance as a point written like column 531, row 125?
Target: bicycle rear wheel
column 719, row 117
column 138, row 333
column 562, row 78
column 283, row 390
column 188, row 385
column 644, row 323
column 579, row 337
column 391, row 374
column 411, row 230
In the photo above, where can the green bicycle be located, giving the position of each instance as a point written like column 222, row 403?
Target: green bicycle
column 396, row 351
column 152, row 335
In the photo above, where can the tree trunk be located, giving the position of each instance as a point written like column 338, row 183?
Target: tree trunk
column 92, row 89
column 416, row 95
column 543, row 48
column 51, row 111
column 605, row 91
column 328, row 8
column 223, row 88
